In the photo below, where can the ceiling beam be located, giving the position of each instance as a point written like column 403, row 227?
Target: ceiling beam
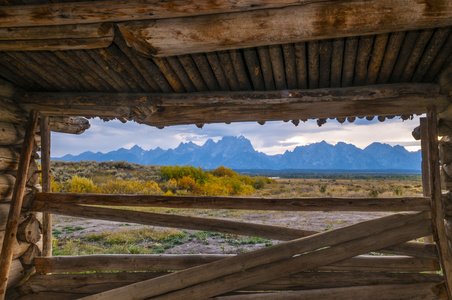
column 311, row 21
column 51, row 38
column 120, row 11
column 223, row 107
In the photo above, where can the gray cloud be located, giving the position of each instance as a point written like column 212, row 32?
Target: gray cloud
column 271, row 138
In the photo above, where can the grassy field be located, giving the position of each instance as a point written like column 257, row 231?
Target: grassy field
column 80, row 236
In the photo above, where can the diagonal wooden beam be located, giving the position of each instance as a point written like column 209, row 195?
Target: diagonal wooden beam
column 218, row 107
column 279, row 260
column 16, row 202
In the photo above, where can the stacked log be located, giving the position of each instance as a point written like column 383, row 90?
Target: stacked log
column 12, row 131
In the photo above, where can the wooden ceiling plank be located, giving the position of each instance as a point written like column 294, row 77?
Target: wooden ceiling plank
column 430, row 53
column 390, row 56
column 240, row 70
column 337, row 58
column 92, row 67
column 267, row 71
column 22, row 69
column 193, row 73
column 314, row 21
column 171, row 76
column 206, row 71
column 376, row 58
column 254, row 68
column 351, row 47
column 301, row 63
column 362, row 60
column 181, row 73
column 313, row 64
column 229, row 70
column 84, row 71
column 404, row 55
column 131, row 55
column 218, row 70
column 416, row 54
column 277, row 61
column 326, row 52
column 440, row 60
column 108, row 72
column 290, row 65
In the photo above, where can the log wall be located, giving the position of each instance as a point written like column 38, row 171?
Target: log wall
column 12, row 130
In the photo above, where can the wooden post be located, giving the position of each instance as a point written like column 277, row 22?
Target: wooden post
column 425, row 171
column 439, row 230
column 16, row 203
column 45, row 167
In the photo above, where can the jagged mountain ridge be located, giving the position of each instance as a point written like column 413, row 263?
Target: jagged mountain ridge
column 239, row 153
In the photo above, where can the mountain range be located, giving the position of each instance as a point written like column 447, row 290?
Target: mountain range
column 238, row 153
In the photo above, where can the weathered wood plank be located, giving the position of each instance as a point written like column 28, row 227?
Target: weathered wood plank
column 173, row 221
column 217, row 107
column 56, row 44
column 269, row 262
column 390, row 56
column 9, row 158
column 213, row 202
column 120, row 11
column 176, row 262
column 419, row 291
column 73, row 125
column 16, row 203
column 46, row 183
column 270, row 271
column 96, row 283
column 313, row 21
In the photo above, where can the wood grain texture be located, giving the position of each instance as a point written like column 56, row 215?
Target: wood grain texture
column 270, row 262
column 314, row 21
column 212, row 202
column 16, row 203
column 201, row 108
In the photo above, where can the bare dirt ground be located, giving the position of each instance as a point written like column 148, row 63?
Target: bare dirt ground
column 217, row 244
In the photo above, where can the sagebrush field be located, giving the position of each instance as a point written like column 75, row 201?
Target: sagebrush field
column 81, row 236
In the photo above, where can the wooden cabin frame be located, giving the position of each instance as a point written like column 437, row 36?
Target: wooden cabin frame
column 164, row 63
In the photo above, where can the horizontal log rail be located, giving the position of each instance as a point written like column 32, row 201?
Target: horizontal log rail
column 176, row 262
column 195, row 108
column 99, row 282
column 213, row 202
column 280, row 260
column 419, row 291
column 209, row 224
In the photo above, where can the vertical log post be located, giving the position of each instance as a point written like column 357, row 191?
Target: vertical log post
column 46, row 187
column 425, row 170
column 439, row 229
column 16, row 203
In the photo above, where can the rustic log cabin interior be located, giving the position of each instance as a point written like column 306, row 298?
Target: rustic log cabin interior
column 164, row 63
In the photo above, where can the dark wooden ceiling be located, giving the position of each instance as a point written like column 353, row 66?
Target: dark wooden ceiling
column 414, row 56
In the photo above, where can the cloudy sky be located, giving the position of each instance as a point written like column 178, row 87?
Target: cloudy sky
column 271, row 138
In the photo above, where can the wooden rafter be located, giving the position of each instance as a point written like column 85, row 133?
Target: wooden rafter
column 217, row 107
